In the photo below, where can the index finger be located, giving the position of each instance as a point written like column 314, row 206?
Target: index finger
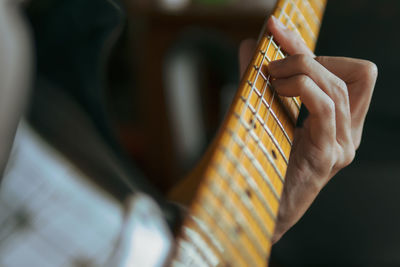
column 289, row 40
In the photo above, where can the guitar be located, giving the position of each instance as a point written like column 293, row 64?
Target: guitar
column 239, row 182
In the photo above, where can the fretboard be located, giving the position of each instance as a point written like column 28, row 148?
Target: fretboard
column 231, row 220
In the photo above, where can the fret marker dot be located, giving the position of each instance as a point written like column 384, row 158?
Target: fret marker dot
column 274, row 154
column 248, row 193
column 238, row 230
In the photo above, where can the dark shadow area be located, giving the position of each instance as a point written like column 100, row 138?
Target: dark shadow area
column 355, row 219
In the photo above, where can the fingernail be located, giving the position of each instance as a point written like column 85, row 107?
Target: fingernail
column 279, row 23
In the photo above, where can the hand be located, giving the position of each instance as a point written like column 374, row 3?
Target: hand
column 337, row 92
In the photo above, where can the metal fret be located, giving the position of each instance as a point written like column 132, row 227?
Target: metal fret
column 257, row 139
column 223, row 227
column 312, row 34
column 207, row 233
column 314, row 15
column 288, row 17
column 284, row 56
column 250, row 180
column 238, row 217
column 201, row 246
column 245, row 200
column 255, row 162
column 190, row 255
column 253, row 159
column 319, row 4
column 273, row 114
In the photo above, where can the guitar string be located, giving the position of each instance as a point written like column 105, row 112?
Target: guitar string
column 253, row 123
column 238, row 217
column 273, row 92
column 214, row 215
column 247, row 102
column 216, row 219
column 259, row 104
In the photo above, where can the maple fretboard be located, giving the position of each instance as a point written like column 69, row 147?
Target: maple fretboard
column 232, row 218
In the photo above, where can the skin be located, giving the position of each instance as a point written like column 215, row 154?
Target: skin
column 337, row 92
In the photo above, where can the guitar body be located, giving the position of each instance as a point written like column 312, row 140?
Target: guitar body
column 238, row 184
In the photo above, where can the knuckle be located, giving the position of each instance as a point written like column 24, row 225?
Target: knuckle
column 348, row 155
column 370, row 70
column 340, row 89
column 302, row 60
column 328, row 107
column 303, row 82
column 323, row 159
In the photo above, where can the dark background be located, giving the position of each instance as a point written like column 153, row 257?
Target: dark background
column 355, row 220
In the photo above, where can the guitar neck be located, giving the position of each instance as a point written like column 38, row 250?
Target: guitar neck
column 232, row 218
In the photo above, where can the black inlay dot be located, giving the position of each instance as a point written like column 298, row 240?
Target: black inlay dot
column 238, row 230
column 252, row 124
column 248, row 193
column 274, row 154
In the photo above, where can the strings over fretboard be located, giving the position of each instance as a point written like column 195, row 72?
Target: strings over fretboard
column 231, row 220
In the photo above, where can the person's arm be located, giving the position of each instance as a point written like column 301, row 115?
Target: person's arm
column 337, row 92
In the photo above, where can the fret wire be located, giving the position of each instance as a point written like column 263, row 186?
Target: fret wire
column 314, row 15
column 274, row 92
column 250, row 93
column 273, row 115
column 288, row 17
column 312, row 35
column 245, row 199
column 258, row 140
column 291, row 98
column 267, row 129
column 201, row 246
column 256, row 163
column 250, row 181
column 211, row 211
column 247, row 103
column 284, row 56
column 272, row 112
column 320, row 5
column 263, row 174
column 261, row 96
column 225, row 254
column 211, row 214
column 207, row 234
column 238, row 217
column 209, row 251
column 187, row 250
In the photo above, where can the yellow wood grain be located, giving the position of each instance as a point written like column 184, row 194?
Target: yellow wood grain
column 240, row 180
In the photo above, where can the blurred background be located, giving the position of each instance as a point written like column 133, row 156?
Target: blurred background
column 128, row 95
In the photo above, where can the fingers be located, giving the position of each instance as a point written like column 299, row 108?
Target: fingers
column 318, row 103
column 360, row 76
column 246, row 51
column 334, row 88
column 290, row 41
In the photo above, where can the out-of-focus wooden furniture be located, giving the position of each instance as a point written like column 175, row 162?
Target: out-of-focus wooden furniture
column 153, row 31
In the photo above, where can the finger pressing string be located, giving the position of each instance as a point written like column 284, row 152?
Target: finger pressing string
column 290, row 41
